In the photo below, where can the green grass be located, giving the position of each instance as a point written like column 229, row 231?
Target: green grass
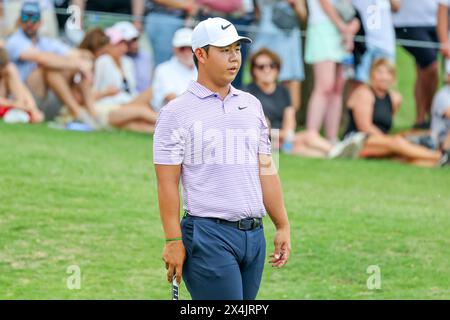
column 71, row 198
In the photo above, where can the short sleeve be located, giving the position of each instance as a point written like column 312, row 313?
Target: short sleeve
column 264, row 146
column 16, row 45
column 54, row 46
column 287, row 102
column 169, row 139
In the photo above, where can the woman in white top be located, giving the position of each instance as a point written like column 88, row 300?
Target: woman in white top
column 118, row 103
column 329, row 38
column 417, row 20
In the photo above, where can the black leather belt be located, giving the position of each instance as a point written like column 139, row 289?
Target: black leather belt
column 243, row 224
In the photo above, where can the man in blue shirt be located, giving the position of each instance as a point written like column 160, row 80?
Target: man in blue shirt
column 46, row 63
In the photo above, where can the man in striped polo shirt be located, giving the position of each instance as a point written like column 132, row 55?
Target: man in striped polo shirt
column 216, row 139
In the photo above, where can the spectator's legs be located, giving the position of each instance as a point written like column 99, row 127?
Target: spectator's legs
column 446, row 144
column 294, row 87
column 311, row 144
column 160, row 29
column 425, row 88
column 397, row 146
column 289, row 122
column 139, row 126
column 36, row 82
column 125, row 115
column 58, row 82
column 87, row 95
column 334, row 110
column 324, row 83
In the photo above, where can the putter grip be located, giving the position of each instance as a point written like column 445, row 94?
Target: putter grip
column 174, row 287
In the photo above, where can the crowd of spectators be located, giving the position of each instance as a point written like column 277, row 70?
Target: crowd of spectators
column 115, row 64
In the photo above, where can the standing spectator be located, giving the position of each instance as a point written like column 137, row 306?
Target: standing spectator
column 416, row 21
column 172, row 77
column 379, row 35
column 163, row 19
column 328, row 40
column 240, row 13
column 13, row 93
column 142, row 60
column 285, row 40
column 372, row 109
column 276, row 102
column 46, row 63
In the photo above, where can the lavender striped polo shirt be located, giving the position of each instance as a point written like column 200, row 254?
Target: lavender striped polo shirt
column 217, row 144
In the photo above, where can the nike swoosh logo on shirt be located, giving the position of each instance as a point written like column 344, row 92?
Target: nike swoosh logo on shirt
column 242, row 108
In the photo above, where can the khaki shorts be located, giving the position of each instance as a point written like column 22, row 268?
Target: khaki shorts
column 103, row 111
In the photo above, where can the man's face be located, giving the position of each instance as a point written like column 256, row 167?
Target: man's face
column 30, row 23
column 223, row 63
column 184, row 55
column 133, row 46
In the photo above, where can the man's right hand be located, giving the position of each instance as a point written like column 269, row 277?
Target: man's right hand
column 174, row 255
column 445, row 49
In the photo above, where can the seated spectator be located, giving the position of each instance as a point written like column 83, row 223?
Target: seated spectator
column 13, row 93
column 172, row 77
column 49, row 26
column 440, row 119
column 45, row 63
column 276, row 102
column 115, row 107
column 143, row 62
column 372, row 110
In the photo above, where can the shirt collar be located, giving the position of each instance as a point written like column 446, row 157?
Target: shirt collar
column 203, row 92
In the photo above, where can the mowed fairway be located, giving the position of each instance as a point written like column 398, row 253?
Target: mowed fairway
column 89, row 200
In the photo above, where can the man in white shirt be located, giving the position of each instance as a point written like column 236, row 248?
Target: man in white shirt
column 416, row 20
column 172, row 77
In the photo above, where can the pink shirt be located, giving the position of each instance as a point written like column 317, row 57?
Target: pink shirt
column 217, row 144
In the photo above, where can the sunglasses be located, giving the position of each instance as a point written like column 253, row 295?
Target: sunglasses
column 270, row 66
column 27, row 17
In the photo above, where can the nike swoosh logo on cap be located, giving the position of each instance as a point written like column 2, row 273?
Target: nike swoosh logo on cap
column 223, row 28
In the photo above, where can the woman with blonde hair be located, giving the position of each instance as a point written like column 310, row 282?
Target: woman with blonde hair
column 372, row 108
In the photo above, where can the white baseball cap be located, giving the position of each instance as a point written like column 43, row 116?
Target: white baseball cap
column 182, row 38
column 216, row 32
column 127, row 29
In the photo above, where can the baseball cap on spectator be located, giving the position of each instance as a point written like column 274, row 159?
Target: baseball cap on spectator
column 182, row 38
column 216, row 32
column 115, row 36
column 127, row 29
column 30, row 9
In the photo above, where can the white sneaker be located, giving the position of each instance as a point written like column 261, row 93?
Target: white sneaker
column 350, row 147
column 16, row 116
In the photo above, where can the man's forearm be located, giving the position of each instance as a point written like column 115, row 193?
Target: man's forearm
column 169, row 208
column 54, row 61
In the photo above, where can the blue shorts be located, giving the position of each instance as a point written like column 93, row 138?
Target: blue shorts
column 367, row 59
column 222, row 262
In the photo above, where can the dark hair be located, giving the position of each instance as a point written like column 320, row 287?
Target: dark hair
column 266, row 52
column 195, row 58
column 4, row 59
column 94, row 40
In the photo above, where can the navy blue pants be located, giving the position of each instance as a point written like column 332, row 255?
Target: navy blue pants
column 222, row 262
